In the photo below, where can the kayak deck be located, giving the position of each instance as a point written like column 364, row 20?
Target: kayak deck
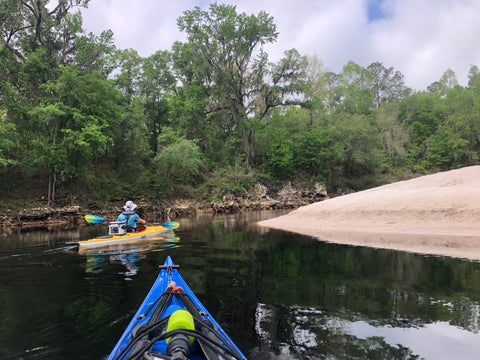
column 149, row 232
column 161, row 326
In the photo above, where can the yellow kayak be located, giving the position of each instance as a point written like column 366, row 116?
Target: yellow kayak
column 150, row 231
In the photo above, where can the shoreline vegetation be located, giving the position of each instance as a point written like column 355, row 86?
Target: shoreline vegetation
column 436, row 214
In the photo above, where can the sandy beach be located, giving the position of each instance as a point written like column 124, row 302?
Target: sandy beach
column 435, row 214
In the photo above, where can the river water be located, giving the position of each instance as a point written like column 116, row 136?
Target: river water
column 278, row 295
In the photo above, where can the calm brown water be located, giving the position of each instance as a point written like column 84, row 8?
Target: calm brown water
column 278, row 295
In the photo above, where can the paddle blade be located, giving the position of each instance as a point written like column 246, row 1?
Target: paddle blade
column 171, row 225
column 94, row 219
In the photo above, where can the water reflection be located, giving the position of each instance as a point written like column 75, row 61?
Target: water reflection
column 126, row 254
column 307, row 328
column 95, row 264
column 21, row 238
column 439, row 340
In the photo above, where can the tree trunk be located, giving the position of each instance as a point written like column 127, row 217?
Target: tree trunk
column 52, row 181
column 49, row 193
column 247, row 146
column 246, row 136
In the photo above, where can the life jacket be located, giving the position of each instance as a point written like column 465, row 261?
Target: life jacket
column 127, row 215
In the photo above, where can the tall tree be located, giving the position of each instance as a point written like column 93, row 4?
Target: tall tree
column 96, row 53
column 441, row 87
column 27, row 24
column 130, row 68
column 157, row 83
column 392, row 132
column 224, row 60
column 354, row 87
column 474, row 78
column 315, row 87
column 72, row 124
column 386, row 85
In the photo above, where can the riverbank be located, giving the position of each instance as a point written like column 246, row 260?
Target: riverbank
column 258, row 198
column 436, row 214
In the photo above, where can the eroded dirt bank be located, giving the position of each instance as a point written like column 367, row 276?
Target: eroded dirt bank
column 436, row 214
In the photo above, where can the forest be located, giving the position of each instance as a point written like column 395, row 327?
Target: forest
column 82, row 119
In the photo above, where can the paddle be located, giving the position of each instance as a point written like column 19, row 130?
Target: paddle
column 96, row 219
column 172, row 225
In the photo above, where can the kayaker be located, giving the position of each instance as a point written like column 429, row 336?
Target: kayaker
column 130, row 217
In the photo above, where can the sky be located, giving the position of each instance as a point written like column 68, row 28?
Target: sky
column 419, row 38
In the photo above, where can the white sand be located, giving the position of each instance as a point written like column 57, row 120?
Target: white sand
column 436, row 214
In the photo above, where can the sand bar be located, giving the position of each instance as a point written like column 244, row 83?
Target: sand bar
column 435, row 214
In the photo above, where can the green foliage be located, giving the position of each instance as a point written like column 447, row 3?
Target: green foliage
column 96, row 53
column 361, row 146
column 318, row 151
column 157, row 82
column 393, row 135
column 130, row 64
column 8, row 134
column 280, row 158
column 187, row 111
column 446, row 148
column 130, row 147
column 180, row 162
column 421, row 113
column 29, row 24
column 386, row 85
column 354, row 87
column 108, row 185
column 234, row 179
column 447, row 81
column 275, row 147
column 168, row 137
column 71, row 123
column 38, row 68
